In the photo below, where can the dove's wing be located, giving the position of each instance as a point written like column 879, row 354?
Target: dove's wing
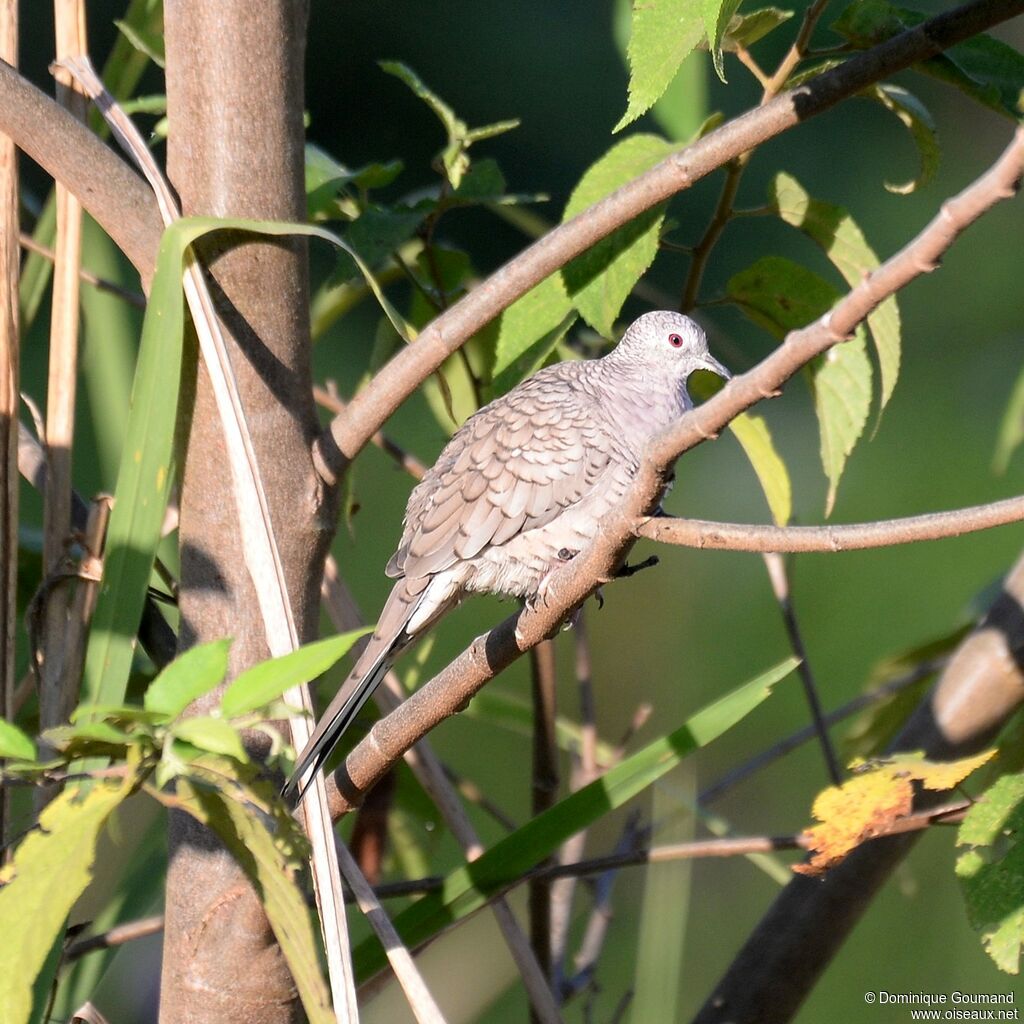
column 513, row 467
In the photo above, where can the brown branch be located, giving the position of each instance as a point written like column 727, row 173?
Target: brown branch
column 116, row 936
column 700, row 533
column 349, row 432
column 571, row 584
column 107, row 187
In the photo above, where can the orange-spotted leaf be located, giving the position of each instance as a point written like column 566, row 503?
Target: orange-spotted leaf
column 870, row 803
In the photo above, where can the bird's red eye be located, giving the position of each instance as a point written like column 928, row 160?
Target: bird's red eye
column 675, row 340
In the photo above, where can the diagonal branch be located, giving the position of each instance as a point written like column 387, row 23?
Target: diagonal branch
column 65, row 148
column 570, row 585
column 350, row 431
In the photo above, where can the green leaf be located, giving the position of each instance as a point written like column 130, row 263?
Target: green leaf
column 992, row 872
column 1011, row 430
column 51, row 869
column 145, row 41
column 746, row 29
column 782, row 296
column 683, row 105
column 918, row 121
column 269, row 679
column 662, row 33
column 835, row 231
column 987, row 70
column 269, row 848
column 455, row 156
column 532, row 359
column 212, row 734
column 529, row 319
column 467, row 889
column 717, row 14
column 143, row 483
column 190, row 675
column 756, row 440
column 600, row 280
column 87, row 737
column 14, row 743
column 380, row 230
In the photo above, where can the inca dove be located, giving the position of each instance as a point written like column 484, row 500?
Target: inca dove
column 520, row 488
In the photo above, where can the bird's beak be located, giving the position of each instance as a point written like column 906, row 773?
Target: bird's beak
column 709, row 362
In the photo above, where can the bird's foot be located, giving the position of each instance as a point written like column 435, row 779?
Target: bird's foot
column 628, row 570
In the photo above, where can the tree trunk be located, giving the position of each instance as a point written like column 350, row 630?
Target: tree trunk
column 235, row 102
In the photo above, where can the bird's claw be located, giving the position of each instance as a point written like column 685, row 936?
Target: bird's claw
column 628, row 570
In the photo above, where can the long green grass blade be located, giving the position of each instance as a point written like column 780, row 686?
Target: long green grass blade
column 468, row 888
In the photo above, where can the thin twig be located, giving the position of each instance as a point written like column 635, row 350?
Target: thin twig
column 136, row 299
column 116, row 936
column 801, row 736
column 700, row 533
column 545, row 780
column 779, row 577
column 412, row 465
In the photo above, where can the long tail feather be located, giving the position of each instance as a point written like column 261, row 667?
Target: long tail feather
column 388, row 640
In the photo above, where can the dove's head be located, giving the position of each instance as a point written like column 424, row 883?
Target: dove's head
column 668, row 346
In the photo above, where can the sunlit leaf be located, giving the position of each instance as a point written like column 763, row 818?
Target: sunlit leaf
column 599, row 281
column 992, row 871
column 717, row 14
column 190, row 675
column 746, row 29
column 467, row 888
column 212, row 734
column 50, row 870
column 1011, row 430
column 873, row 800
column 837, row 233
column 530, row 319
column 268, row 680
column 756, row 440
column 781, row 296
column 912, row 113
column 662, row 33
column 144, row 40
column 14, row 743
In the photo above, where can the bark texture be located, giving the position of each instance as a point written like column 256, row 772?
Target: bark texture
column 235, row 100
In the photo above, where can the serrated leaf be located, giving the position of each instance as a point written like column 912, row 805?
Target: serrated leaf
column 917, row 119
column 1011, row 430
column 662, row 33
column 51, row 869
column 268, row 680
column 992, row 872
column 528, row 320
column 212, row 734
column 14, row 743
column 781, row 296
column 986, row 69
column 380, row 230
column 599, row 281
column 756, row 440
column 467, row 888
column 746, row 29
column 837, row 233
column 189, row 676
column 273, row 862
column 532, row 359
column 717, row 15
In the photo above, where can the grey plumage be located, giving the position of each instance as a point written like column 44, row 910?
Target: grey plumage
column 524, row 483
